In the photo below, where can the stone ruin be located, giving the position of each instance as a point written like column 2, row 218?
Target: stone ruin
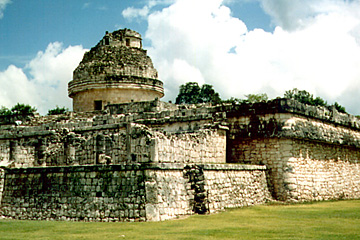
column 148, row 160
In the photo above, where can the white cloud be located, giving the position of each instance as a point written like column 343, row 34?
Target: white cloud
column 3, row 4
column 294, row 14
column 132, row 13
column 314, row 47
column 46, row 85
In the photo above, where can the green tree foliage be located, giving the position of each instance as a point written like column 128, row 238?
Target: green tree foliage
column 192, row 93
column 23, row 109
column 233, row 100
column 339, row 107
column 254, row 98
column 5, row 111
column 58, row 110
column 18, row 109
column 307, row 98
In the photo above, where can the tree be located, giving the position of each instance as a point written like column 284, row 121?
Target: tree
column 18, row 109
column 58, row 110
column 5, row 111
column 208, row 94
column 192, row 93
column 254, row 98
column 23, row 109
column 339, row 107
column 305, row 97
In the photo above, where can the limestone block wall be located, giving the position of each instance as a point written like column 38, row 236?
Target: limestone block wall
column 322, row 172
column 174, row 190
column 230, row 186
column 108, row 141
column 84, row 193
column 202, row 146
column 2, row 182
column 64, row 147
column 301, row 170
column 131, row 192
column 168, row 193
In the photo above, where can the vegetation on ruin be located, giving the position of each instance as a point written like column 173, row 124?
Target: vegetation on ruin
column 18, row 109
column 319, row 220
column 307, row 98
column 58, row 110
column 192, row 93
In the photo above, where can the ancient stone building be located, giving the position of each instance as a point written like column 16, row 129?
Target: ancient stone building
column 150, row 160
column 116, row 70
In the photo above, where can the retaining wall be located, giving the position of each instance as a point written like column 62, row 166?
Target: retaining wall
column 301, row 170
column 134, row 192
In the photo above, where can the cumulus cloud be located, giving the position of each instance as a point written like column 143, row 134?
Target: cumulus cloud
column 45, row 85
column 132, row 13
column 315, row 47
column 3, row 4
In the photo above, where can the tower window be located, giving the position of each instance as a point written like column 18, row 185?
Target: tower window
column 128, row 42
column 97, row 105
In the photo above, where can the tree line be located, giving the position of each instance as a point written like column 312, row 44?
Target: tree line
column 192, row 93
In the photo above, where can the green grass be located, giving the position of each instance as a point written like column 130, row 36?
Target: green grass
column 321, row 220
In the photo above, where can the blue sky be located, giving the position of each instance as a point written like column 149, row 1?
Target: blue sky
column 238, row 46
column 29, row 26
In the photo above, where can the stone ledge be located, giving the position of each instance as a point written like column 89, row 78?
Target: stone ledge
column 283, row 105
column 130, row 167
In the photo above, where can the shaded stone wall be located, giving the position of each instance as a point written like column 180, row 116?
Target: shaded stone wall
column 92, row 193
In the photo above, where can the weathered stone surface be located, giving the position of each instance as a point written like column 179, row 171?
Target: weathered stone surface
column 135, row 192
column 116, row 70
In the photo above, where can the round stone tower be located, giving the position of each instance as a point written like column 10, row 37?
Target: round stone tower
column 116, row 70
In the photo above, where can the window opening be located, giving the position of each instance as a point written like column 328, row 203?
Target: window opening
column 128, row 42
column 97, row 105
column 107, row 41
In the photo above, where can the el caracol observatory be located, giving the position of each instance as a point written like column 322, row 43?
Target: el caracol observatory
column 116, row 70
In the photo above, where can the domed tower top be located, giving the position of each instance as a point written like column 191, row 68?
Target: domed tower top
column 123, row 37
column 116, row 70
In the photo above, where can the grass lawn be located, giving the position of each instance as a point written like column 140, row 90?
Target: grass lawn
column 321, row 220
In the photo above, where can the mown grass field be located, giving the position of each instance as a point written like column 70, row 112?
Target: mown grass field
column 321, row 220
